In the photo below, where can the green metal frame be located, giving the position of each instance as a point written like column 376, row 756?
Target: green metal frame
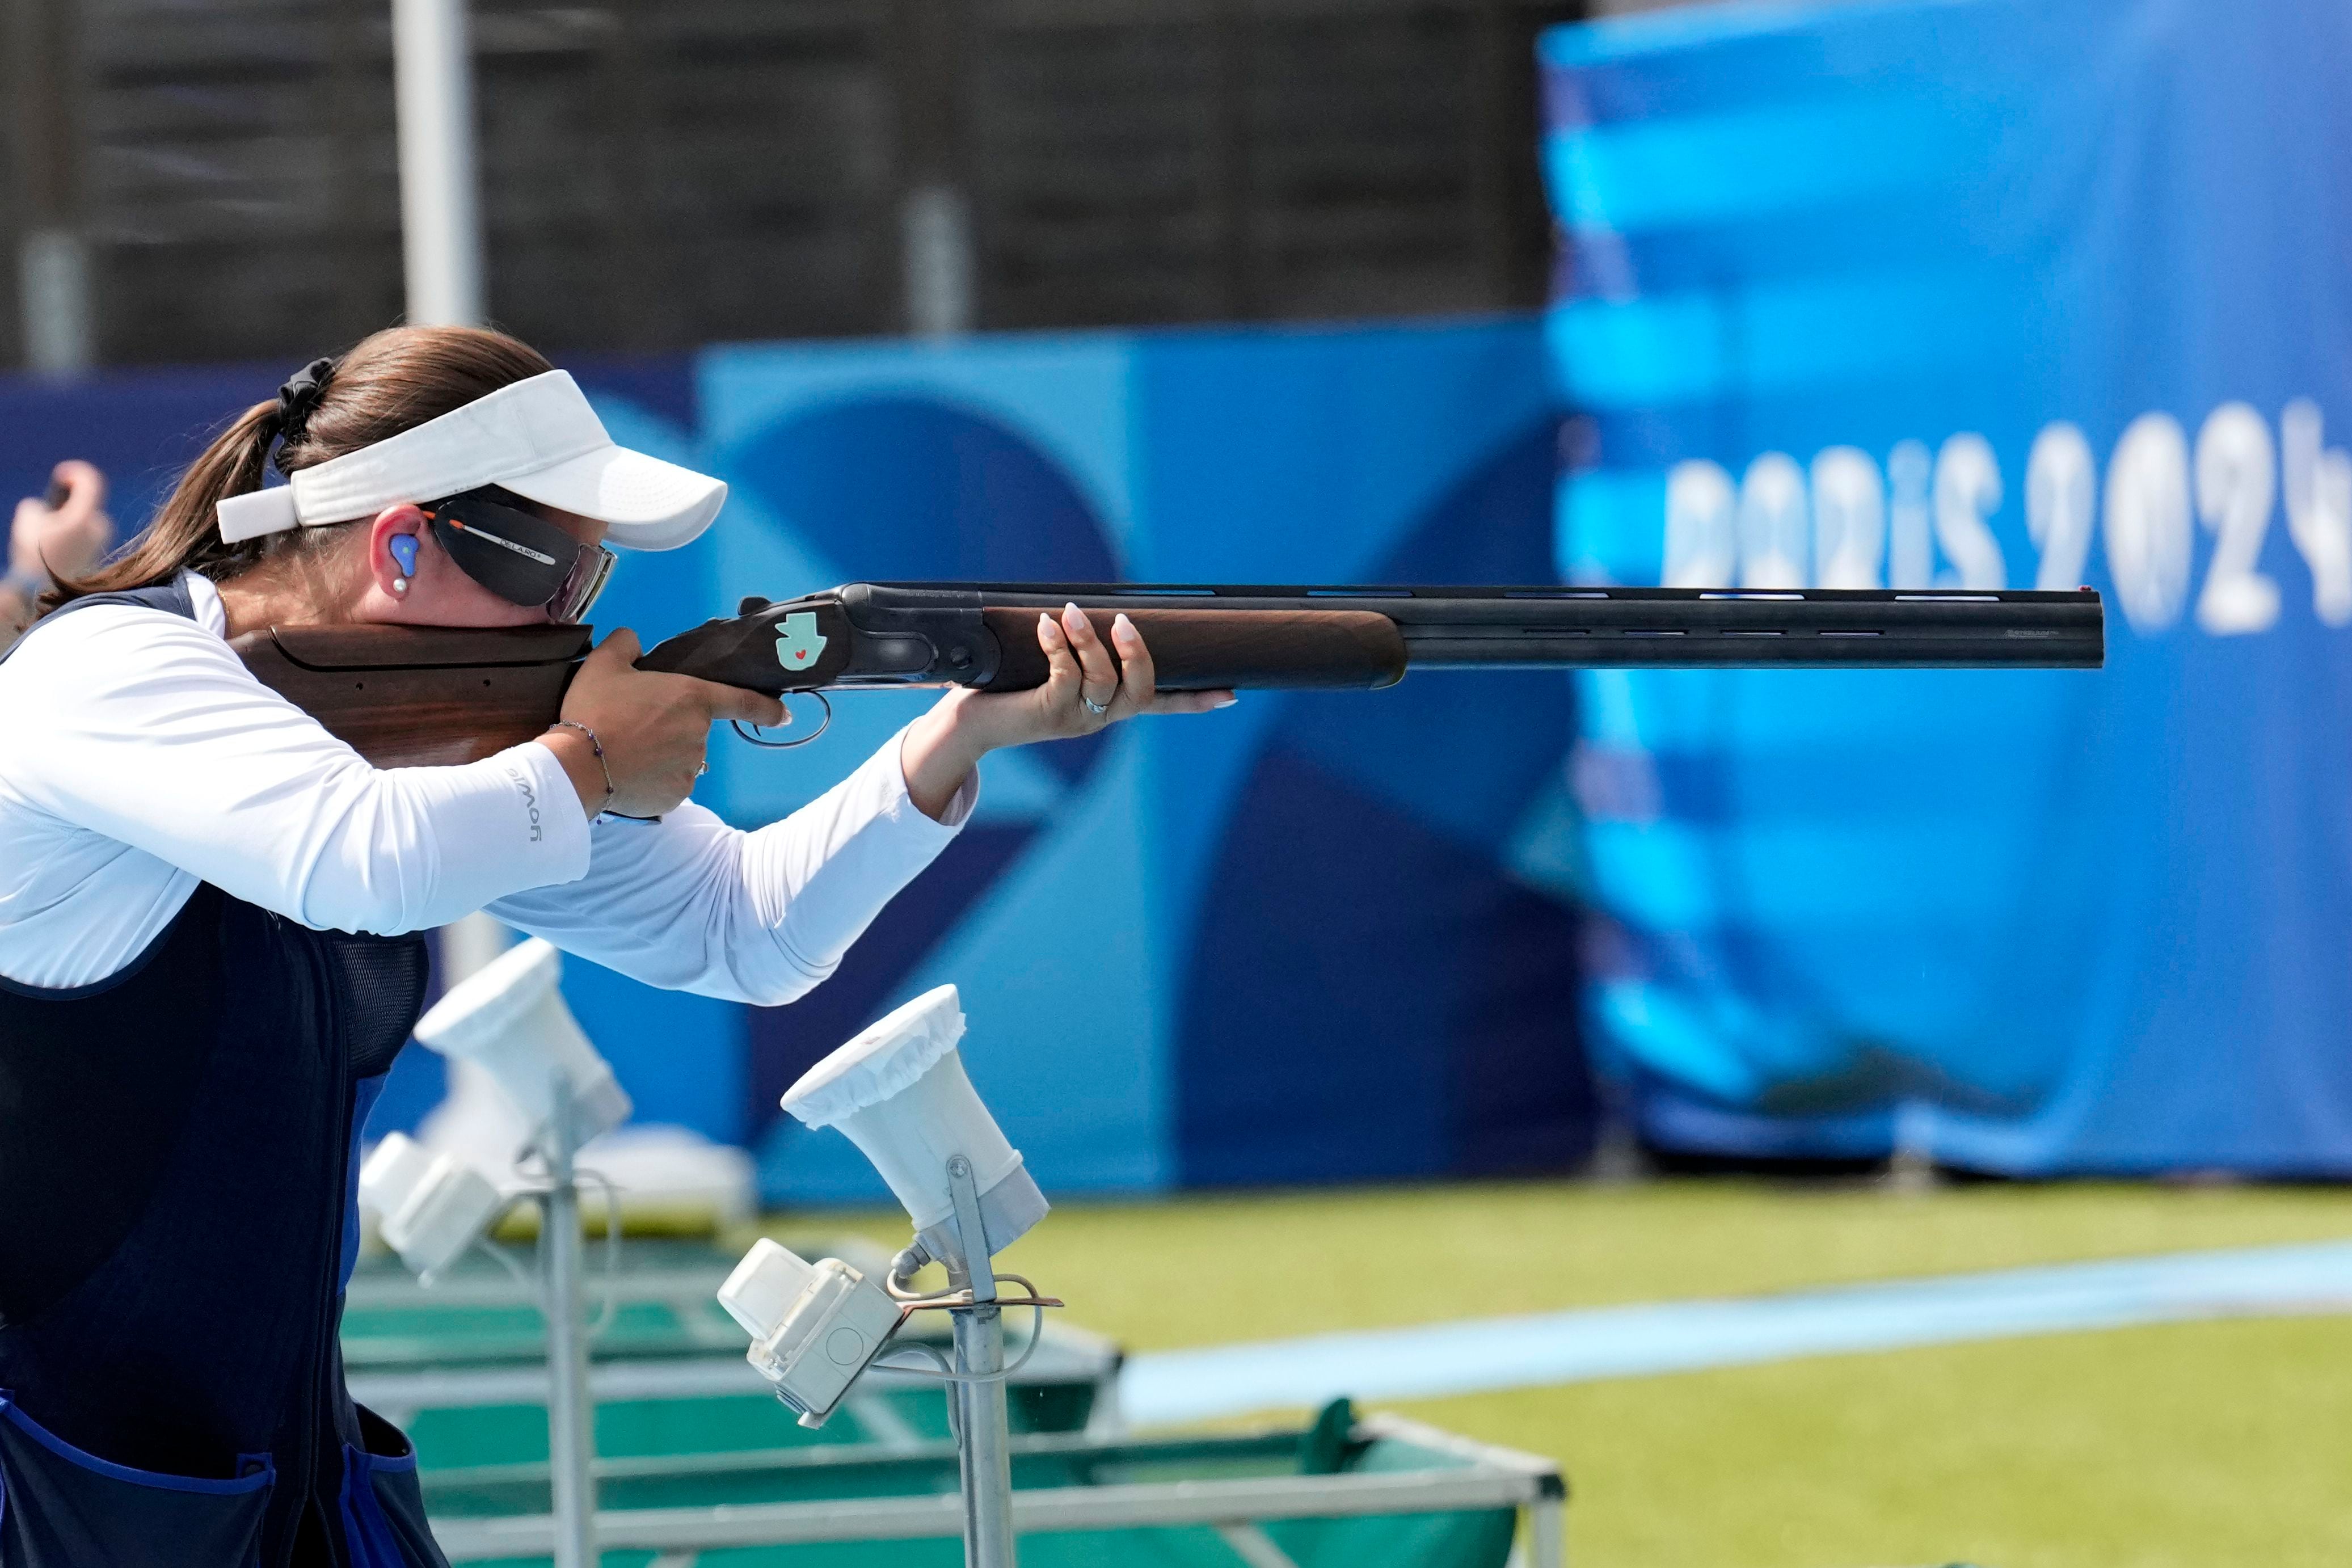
column 1394, row 1467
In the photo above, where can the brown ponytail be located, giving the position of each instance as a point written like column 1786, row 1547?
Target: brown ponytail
column 393, row 381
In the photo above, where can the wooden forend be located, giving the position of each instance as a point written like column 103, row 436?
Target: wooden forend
column 1203, row 650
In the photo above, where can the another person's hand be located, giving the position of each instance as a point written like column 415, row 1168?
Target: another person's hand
column 65, row 539
column 946, row 743
column 46, row 541
column 654, row 729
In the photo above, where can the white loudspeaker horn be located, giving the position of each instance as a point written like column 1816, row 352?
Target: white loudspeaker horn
column 509, row 1018
column 900, row 1092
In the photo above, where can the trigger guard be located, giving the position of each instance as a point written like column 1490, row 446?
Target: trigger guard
column 822, row 725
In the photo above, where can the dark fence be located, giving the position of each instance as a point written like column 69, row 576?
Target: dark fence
column 657, row 176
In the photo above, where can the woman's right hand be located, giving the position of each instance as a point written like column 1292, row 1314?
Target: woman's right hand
column 654, row 729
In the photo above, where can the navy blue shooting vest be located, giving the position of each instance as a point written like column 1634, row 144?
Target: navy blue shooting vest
column 179, row 1151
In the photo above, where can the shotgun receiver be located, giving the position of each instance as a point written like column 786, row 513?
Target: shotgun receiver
column 415, row 695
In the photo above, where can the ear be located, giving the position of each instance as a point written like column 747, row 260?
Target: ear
column 396, row 532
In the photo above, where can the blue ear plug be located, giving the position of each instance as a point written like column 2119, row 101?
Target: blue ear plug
column 404, row 553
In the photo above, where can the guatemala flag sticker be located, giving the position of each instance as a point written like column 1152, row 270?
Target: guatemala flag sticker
column 798, row 642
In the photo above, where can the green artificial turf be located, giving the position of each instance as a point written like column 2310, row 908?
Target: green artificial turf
column 2188, row 1446
column 2196, row 1444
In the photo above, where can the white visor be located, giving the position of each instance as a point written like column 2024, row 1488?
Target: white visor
column 538, row 439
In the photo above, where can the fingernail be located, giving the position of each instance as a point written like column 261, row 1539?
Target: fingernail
column 1228, row 700
column 1046, row 626
column 1120, row 626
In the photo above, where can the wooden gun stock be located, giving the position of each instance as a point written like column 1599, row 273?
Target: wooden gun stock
column 414, row 697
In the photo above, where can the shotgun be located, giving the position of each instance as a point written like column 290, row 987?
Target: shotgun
column 407, row 696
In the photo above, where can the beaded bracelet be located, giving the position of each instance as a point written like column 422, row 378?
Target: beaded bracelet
column 594, row 745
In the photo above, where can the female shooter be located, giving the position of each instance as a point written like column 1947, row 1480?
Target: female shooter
column 209, row 909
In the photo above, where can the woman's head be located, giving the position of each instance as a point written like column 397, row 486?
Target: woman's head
column 391, row 381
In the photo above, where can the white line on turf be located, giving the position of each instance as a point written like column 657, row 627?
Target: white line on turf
column 1484, row 1354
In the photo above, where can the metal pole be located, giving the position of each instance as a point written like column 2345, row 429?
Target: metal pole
column 940, row 272
column 935, row 237
column 440, row 207
column 1548, row 1533
column 40, row 71
column 571, row 1434
column 983, row 1434
column 986, row 1440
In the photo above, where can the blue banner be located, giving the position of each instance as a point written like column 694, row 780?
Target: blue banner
column 1972, row 295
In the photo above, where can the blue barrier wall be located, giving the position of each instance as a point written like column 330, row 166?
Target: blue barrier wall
column 1319, row 936
column 1972, row 294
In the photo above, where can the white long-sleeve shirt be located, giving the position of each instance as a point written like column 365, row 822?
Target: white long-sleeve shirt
column 138, row 759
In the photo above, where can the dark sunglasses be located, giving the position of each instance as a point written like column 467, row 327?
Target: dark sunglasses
column 522, row 558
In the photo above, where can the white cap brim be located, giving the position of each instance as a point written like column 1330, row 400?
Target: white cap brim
column 643, row 502
column 538, row 437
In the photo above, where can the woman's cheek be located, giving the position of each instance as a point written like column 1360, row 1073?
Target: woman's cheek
column 456, row 599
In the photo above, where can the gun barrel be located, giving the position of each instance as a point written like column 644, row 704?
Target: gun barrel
column 1863, row 629
column 1542, row 628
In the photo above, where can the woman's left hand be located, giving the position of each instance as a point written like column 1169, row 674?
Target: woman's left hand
column 1086, row 690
